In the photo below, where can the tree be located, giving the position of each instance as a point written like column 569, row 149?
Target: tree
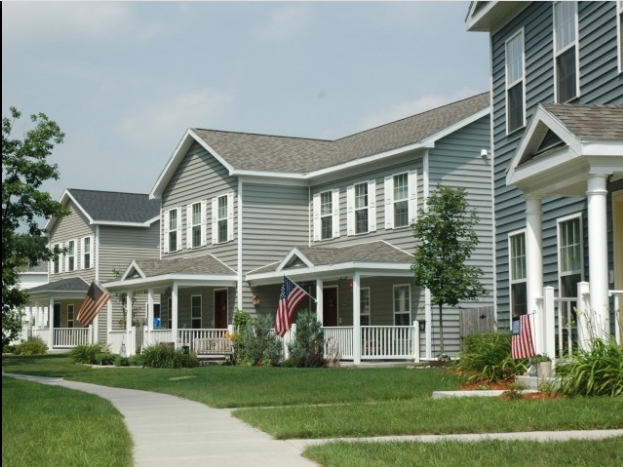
column 445, row 232
column 24, row 168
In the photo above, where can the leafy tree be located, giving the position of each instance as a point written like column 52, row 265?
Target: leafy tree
column 24, row 168
column 445, row 232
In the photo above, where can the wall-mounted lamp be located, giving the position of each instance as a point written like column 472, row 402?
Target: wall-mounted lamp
column 255, row 300
column 484, row 153
column 422, row 325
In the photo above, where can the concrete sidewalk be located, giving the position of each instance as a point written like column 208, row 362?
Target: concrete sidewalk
column 168, row 430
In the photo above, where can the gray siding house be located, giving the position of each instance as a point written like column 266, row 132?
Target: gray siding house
column 240, row 211
column 103, row 230
column 557, row 139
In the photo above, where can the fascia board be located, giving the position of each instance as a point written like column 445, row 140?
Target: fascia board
column 66, row 196
column 602, row 148
column 123, row 224
column 222, row 280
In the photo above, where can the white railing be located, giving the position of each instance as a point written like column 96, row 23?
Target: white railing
column 343, row 335
column 566, row 321
column 71, row 337
column 157, row 336
column 118, row 342
column 387, row 342
column 618, row 315
column 187, row 336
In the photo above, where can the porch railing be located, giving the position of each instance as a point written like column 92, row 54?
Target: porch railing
column 566, row 325
column 71, row 337
column 187, row 336
column 156, row 336
column 343, row 336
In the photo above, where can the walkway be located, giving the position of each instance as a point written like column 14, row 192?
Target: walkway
column 169, row 431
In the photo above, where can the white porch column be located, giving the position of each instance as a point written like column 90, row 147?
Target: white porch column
column 129, row 350
column 550, row 322
column 150, row 310
column 174, row 312
column 51, row 324
column 357, row 318
column 96, row 327
column 37, row 322
column 108, row 319
column 320, row 301
column 584, row 325
column 534, row 251
column 598, row 253
column 428, row 322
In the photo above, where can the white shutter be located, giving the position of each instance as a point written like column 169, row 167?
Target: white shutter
column 335, row 204
column 204, row 222
column 412, row 195
column 189, row 226
column 316, row 214
column 350, row 210
column 230, row 217
column 372, row 206
column 389, row 202
column 179, row 229
column 165, row 229
column 214, row 221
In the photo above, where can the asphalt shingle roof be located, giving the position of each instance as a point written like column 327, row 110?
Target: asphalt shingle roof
column 590, row 122
column 247, row 151
column 116, row 207
column 206, row 264
column 74, row 284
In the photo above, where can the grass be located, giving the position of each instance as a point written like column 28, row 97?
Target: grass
column 57, row 427
column 576, row 453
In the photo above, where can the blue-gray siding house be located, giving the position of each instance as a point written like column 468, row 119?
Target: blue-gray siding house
column 557, row 139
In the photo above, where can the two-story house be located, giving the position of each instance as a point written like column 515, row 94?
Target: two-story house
column 102, row 231
column 241, row 210
column 557, row 139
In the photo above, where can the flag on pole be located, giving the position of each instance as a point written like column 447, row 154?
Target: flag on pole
column 521, row 340
column 92, row 304
column 291, row 296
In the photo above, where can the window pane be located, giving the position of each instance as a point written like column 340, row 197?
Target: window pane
column 519, row 298
column 570, row 246
column 401, row 319
column 222, row 207
column 172, row 241
column 327, row 227
column 514, row 59
column 173, row 220
column 361, row 196
column 196, row 213
column 361, row 218
column 401, row 214
column 566, row 77
column 196, row 236
column 222, row 230
column 401, row 187
column 515, row 107
column 402, row 300
column 569, row 285
column 326, row 205
column 518, row 257
column 564, row 16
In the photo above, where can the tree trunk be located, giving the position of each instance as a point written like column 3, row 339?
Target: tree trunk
column 440, row 331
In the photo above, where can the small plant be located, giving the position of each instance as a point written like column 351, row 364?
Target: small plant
column 259, row 344
column 136, row 360
column 241, row 321
column 118, row 360
column 307, row 348
column 164, row 356
column 32, row 346
column 540, row 358
column 105, row 359
column 514, row 392
column 86, row 354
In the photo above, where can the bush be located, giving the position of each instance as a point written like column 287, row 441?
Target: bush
column 32, row 346
column 136, row 360
column 86, row 354
column 307, row 348
column 487, row 357
column 9, row 348
column 241, row 321
column 597, row 371
column 164, row 356
column 258, row 343
column 104, row 358
column 118, row 360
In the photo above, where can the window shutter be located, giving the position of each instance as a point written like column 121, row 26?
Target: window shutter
column 179, row 229
column 335, row 203
column 350, row 210
column 204, row 222
column 389, row 201
column 372, row 206
column 165, row 238
column 214, row 221
column 230, row 217
column 67, row 257
column 316, row 214
column 189, row 226
column 412, row 195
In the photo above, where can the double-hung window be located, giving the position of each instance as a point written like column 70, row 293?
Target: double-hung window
column 173, row 226
column 570, row 255
column 87, row 252
column 620, row 33
column 71, row 255
column 518, row 274
column 70, row 315
column 402, row 305
column 361, row 208
column 364, row 299
column 195, row 223
column 195, row 311
column 515, row 78
column 326, row 215
column 223, row 218
column 400, row 199
column 566, row 77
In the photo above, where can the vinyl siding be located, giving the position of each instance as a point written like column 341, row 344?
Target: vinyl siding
column 599, row 84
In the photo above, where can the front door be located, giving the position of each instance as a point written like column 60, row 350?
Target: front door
column 57, row 315
column 329, row 306
column 220, row 309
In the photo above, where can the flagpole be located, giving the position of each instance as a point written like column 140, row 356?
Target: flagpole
column 304, row 291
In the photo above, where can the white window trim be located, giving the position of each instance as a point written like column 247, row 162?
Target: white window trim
column 512, row 281
column 335, row 214
column 559, row 221
column 178, row 229
column 229, row 218
column 83, row 252
column 70, row 307
column 200, row 310
column 522, row 80
column 190, row 224
column 396, row 286
column 575, row 44
column 619, row 18
column 368, row 314
column 411, row 199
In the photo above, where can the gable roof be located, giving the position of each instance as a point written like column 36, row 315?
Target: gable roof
column 112, row 208
column 306, row 158
column 71, row 285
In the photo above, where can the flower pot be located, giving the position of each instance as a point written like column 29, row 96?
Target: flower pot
column 544, row 369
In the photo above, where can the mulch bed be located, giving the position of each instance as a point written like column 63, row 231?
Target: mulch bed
column 507, row 386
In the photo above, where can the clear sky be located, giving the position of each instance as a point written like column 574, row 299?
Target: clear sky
column 124, row 80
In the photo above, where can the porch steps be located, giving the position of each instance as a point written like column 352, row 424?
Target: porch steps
column 533, row 382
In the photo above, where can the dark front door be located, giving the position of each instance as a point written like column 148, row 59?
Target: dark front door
column 57, row 315
column 220, row 309
column 329, row 306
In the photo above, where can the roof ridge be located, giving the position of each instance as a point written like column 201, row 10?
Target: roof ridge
column 265, row 134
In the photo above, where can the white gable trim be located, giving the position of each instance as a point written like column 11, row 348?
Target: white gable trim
column 294, row 252
column 133, row 267
column 66, row 196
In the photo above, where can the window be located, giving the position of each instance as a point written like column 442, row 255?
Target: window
column 195, row 311
column 57, row 260
column 400, row 199
column 402, row 305
column 222, row 219
column 365, row 306
column 620, row 33
column 196, row 221
column 570, row 255
column 173, row 224
column 70, row 316
column 326, row 215
column 518, row 281
column 71, row 255
column 87, row 243
column 565, row 51
column 515, row 72
column 361, row 208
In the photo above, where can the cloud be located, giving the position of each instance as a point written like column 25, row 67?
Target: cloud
column 288, row 21
column 170, row 117
column 409, row 108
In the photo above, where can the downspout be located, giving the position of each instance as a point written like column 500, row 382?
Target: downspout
column 97, row 253
column 309, row 217
column 492, row 162
column 239, row 292
column 428, row 314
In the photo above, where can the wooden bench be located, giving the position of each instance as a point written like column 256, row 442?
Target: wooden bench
column 213, row 347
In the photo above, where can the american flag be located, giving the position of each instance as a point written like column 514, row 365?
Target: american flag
column 291, row 296
column 521, row 340
column 92, row 304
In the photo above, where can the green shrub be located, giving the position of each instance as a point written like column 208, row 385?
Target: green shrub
column 86, row 354
column 118, row 360
column 487, row 356
column 105, row 358
column 597, row 371
column 10, row 348
column 34, row 345
column 307, row 348
column 136, row 360
column 241, row 321
column 258, row 343
column 164, row 356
